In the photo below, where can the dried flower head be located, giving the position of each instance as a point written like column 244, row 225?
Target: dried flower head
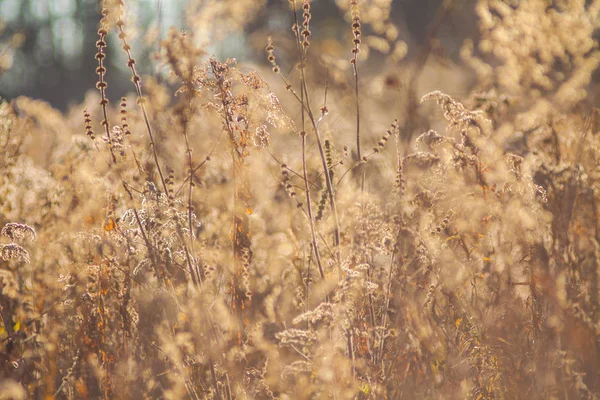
column 14, row 230
column 456, row 113
column 13, row 251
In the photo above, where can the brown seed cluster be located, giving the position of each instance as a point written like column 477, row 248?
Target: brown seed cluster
column 306, row 17
column 384, row 139
column 356, row 30
column 88, row 124
column 101, row 84
column 101, row 70
column 271, row 56
column 289, row 188
column 136, row 79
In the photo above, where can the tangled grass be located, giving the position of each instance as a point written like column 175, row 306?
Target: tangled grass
column 298, row 234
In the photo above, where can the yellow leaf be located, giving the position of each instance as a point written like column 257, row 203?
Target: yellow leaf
column 503, row 340
column 109, row 225
column 183, row 317
column 457, row 323
column 365, row 388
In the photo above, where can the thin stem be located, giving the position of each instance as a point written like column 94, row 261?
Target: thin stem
column 206, row 159
column 309, row 209
column 188, row 150
column 281, row 164
column 357, row 110
column 330, row 188
column 305, row 101
column 141, row 101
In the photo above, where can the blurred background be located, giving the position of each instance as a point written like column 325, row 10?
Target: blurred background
column 49, row 45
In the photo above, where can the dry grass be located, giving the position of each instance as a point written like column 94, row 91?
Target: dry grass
column 312, row 232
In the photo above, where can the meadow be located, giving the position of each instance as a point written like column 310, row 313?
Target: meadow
column 319, row 226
